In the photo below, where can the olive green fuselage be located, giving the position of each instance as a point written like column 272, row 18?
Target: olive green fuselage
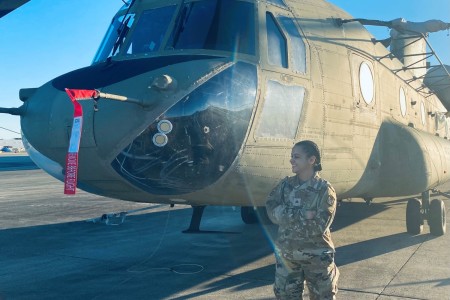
column 372, row 144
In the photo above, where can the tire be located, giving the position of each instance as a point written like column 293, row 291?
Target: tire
column 262, row 215
column 248, row 215
column 255, row 215
column 437, row 217
column 414, row 220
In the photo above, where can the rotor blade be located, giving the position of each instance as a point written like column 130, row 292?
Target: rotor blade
column 7, row 6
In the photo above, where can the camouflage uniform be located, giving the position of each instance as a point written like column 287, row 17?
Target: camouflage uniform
column 304, row 250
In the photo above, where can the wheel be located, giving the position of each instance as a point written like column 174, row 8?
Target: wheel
column 254, row 215
column 262, row 215
column 437, row 218
column 248, row 215
column 414, row 220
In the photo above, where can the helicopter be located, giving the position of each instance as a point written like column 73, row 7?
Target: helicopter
column 185, row 105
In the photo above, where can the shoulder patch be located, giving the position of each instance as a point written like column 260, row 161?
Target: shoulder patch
column 331, row 200
column 331, row 194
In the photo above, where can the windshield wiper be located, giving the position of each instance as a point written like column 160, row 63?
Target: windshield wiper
column 122, row 31
column 181, row 23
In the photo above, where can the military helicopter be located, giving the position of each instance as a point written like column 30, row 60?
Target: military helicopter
column 210, row 107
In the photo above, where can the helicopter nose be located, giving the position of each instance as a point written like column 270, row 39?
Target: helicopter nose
column 194, row 142
column 48, row 116
column 39, row 119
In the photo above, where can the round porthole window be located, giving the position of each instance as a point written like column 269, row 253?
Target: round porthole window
column 402, row 101
column 422, row 113
column 366, row 82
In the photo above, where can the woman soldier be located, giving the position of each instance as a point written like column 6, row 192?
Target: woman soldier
column 304, row 206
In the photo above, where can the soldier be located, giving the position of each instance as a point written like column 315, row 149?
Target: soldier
column 304, row 206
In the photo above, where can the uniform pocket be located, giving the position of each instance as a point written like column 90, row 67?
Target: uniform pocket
column 327, row 258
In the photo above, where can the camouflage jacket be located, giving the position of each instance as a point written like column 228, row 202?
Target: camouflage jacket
column 304, row 214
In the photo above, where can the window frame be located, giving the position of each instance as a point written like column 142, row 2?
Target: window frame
column 402, row 101
column 262, row 114
column 290, row 44
column 139, row 8
column 278, row 13
column 284, row 36
column 127, row 45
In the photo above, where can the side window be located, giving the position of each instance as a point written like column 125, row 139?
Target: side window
column 298, row 49
column 217, row 25
column 366, row 83
column 276, row 43
column 423, row 113
column 402, row 99
column 281, row 113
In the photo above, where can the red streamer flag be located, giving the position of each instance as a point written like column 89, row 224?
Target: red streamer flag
column 71, row 175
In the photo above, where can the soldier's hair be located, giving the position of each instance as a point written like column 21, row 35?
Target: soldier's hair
column 311, row 149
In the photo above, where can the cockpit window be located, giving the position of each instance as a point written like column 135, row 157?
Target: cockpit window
column 150, row 30
column 226, row 25
column 115, row 37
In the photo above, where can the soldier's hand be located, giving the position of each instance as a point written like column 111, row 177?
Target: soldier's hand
column 292, row 213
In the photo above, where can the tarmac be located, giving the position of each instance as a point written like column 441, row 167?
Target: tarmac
column 54, row 246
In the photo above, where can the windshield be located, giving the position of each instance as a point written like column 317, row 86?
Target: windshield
column 150, row 30
column 226, row 25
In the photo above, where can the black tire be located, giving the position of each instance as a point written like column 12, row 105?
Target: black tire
column 262, row 215
column 414, row 220
column 252, row 215
column 437, row 217
column 248, row 215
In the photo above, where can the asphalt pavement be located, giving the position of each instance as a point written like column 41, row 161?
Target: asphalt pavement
column 54, row 246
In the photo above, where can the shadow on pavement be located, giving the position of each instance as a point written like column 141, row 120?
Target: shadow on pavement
column 148, row 257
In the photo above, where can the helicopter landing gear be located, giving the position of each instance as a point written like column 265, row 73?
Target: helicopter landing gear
column 254, row 215
column 248, row 215
column 196, row 218
column 417, row 211
column 414, row 218
column 368, row 201
column 437, row 217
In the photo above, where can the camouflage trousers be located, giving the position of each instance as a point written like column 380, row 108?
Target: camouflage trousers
column 319, row 272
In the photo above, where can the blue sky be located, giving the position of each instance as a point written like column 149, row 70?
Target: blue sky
column 47, row 38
